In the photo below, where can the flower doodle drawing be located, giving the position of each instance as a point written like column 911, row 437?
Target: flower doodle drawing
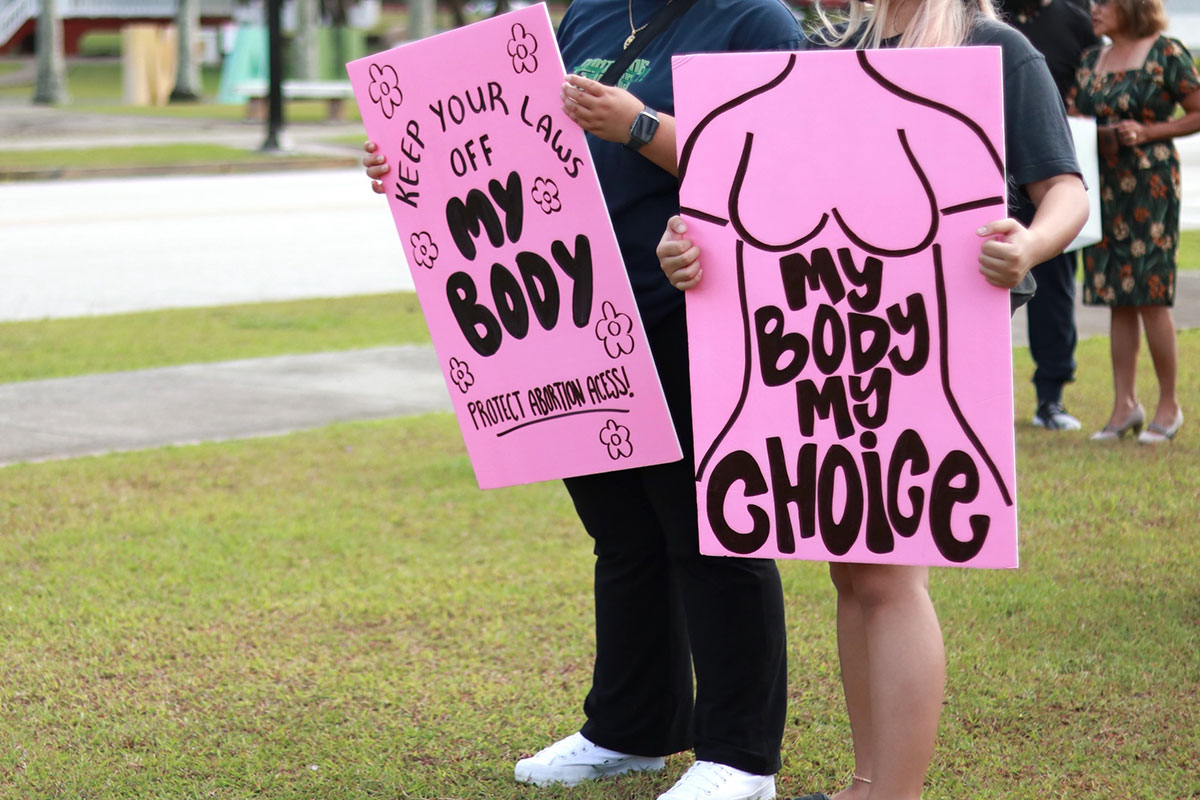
column 460, row 373
column 545, row 194
column 615, row 330
column 425, row 252
column 616, row 438
column 522, row 47
column 385, row 88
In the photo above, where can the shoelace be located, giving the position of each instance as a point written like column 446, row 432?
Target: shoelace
column 707, row 773
column 571, row 747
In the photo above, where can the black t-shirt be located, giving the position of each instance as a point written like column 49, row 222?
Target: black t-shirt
column 1037, row 138
column 641, row 196
column 1060, row 31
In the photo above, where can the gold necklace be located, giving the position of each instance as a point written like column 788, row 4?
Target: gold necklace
column 633, row 32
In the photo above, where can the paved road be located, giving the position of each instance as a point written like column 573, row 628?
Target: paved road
column 73, row 248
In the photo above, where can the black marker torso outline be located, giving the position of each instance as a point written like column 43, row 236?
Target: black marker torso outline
column 734, row 217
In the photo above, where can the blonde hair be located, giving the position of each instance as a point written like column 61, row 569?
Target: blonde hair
column 937, row 23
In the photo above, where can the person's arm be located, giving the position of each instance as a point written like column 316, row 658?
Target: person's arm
column 1132, row 132
column 1010, row 249
column 608, row 112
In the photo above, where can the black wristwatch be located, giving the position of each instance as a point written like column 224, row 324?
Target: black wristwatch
column 643, row 128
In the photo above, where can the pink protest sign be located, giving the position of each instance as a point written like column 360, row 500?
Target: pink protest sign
column 851, row 369
column 513, row 256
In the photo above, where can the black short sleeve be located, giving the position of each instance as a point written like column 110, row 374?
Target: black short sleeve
column 1037, row 138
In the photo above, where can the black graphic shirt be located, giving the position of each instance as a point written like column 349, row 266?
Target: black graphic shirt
column 639, row 195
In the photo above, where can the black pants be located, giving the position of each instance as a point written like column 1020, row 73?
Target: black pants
column 661, row 608
column 1052, row 326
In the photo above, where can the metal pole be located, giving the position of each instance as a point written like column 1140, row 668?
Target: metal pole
column 275, row 77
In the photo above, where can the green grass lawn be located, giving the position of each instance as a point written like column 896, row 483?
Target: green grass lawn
column 349, row 141
column 91, row 80
column 1189, row 250
column 95, row 85
column 342, row 614
column 110, row 343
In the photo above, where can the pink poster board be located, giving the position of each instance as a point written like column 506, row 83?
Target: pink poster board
column 512, row 253
column 851, row 369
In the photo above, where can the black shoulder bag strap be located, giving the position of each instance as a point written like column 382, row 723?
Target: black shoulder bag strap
column 662, row 19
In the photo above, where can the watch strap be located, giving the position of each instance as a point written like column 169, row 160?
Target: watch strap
column 642, row 131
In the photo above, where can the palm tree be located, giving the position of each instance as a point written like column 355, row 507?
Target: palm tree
column 51, row 87
column 187, row 74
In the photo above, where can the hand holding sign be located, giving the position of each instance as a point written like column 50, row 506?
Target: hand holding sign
column 678, row 257
column 1006, row 253
column 377, row 167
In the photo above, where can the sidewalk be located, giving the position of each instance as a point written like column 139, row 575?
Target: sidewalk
column 92, row 414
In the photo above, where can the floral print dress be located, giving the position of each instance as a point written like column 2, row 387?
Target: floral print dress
column 1134, row 264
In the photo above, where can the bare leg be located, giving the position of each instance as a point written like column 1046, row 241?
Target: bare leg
column 852, row 655
column 906, row 671
column 1124, row 340
column 1160, row 340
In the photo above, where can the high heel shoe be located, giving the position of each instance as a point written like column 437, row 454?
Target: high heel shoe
column 1157, row 434
column 1134, row 422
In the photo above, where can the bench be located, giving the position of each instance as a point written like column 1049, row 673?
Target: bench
column 335, row 93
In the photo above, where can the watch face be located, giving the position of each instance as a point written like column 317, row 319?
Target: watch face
column 642, row 130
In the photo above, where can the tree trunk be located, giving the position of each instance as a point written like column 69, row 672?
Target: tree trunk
column 422, row 19
column 51, row 87
column 335, row 10
column 188, row 87
column 458, row 9
column 307, row 60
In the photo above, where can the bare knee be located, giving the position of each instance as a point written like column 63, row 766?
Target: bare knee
column 877, row 585
column 840, row 574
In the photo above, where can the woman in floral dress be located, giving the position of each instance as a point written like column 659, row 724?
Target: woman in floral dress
column 1134, row 87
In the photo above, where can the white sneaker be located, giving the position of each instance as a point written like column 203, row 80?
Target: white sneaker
column 575, row 759
column 708, row 780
